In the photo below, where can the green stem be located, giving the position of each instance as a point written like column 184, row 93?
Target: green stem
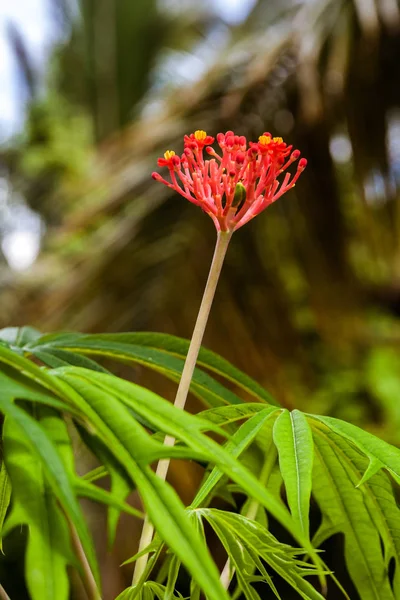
column 270, row 459
column 221, row 247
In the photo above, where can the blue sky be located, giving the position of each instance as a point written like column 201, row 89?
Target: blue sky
column 33, row 19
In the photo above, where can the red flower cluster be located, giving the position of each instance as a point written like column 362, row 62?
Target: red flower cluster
column 236, row 185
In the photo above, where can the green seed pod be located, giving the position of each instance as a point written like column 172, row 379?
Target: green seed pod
column 240, row 196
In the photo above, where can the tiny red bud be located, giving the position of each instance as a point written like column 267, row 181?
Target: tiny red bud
column 209, row 150
column 240, row 158
column 302, row 164
column 295, row 154
column 156, row 176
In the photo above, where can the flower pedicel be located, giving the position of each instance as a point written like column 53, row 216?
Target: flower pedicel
column 235, row 185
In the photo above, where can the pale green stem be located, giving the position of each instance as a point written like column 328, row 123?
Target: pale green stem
column 3, row 594
column 221, row 247
column 228, row 573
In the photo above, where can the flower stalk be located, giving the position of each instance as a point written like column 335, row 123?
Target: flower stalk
column 3, row 594
column 221, row 247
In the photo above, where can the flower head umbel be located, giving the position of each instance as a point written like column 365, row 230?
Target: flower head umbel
column 238, row 183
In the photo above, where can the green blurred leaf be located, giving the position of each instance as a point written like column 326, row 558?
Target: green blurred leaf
column 43, row 450
column 5, row 496
column 48, row 550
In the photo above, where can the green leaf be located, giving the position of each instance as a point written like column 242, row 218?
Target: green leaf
column 344, row 509
column 29, row 375
column 56, row 429
column 95, row 474
column 121, row 483
column 246, row 541
column 293, row 439
column 239, row 441
column 5, row 496
column 48, row 549
column 14, row 385
column 210, row 360
column 154, row 546
column 377, row 450
column 226, row 415
column 149, row 591
column 173, row 573
column 54, row 357
column 92, row 492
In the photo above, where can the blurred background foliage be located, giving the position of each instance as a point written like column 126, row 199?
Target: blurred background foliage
column 309, row 300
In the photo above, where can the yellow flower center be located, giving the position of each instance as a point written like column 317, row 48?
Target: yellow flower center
column 277, row 140
column 200, row 135
column 169, row 154
column 264, row 140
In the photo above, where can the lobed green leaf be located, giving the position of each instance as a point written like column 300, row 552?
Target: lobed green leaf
column 293, row 439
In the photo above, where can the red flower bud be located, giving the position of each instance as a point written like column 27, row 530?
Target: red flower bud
column 302, row 164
